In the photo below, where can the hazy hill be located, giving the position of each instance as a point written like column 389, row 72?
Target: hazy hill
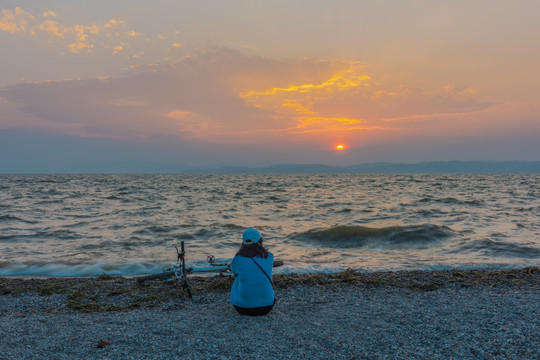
column 144, row 167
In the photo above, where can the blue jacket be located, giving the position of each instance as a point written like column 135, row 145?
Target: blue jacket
column 251, row 288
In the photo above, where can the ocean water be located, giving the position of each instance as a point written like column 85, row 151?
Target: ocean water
column 83, row 225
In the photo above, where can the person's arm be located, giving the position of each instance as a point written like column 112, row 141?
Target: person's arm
column 233, row 266
column 271, row 263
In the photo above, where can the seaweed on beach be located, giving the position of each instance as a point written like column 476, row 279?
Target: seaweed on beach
column 115, row 293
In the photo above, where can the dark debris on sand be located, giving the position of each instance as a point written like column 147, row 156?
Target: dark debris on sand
column 114, row 293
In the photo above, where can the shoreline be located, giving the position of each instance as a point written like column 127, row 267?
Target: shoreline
column 101, row 293
column 312, row 272
column 465, row 314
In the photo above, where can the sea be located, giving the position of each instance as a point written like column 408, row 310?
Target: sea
column 87, row 225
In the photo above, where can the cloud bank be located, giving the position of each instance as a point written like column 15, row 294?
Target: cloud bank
column 222, row 93
column 220, row 101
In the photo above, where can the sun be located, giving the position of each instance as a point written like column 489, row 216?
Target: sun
column 340, row 147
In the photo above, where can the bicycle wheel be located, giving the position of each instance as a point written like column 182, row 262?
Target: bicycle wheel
column 163, row 275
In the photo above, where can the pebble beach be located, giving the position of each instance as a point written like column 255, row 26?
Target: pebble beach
column 454, row 314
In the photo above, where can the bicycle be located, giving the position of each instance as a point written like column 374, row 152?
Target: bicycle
column 180, row 271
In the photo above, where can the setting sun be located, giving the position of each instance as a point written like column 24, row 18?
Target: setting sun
column 340, row 147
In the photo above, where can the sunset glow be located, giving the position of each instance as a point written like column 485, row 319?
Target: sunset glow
column 171, row 83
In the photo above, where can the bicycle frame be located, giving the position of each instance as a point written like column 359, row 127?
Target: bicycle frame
column 180, row 272
column 180, row 267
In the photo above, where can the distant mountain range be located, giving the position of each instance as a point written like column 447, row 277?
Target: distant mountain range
column 143, row 167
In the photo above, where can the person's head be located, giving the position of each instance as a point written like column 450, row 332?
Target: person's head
column 251, row 236
column 252, row 241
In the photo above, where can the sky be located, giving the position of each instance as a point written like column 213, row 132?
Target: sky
column 251, row 82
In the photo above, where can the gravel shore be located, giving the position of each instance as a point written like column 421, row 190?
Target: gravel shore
column 394, row 315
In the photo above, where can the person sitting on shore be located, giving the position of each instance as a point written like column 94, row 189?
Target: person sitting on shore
column 252, row 291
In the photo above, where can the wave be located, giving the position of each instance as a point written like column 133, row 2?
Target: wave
column 78, row 269
column 145, row 268
column 232, row 226
column 155, row 229
column 62, row 234
column 11, row 218
column 451, row 201
column 73, row 269
column 499, row 249
column 417, row 236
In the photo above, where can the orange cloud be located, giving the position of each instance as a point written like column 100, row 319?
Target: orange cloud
column 134, row 33
column 78, row 37
column 52, row 28
column 318, row 124
column 49, row 13
column 298, row 100
column 343, row 80
column 348, row 101
column 82, row 38
column 15, row 21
